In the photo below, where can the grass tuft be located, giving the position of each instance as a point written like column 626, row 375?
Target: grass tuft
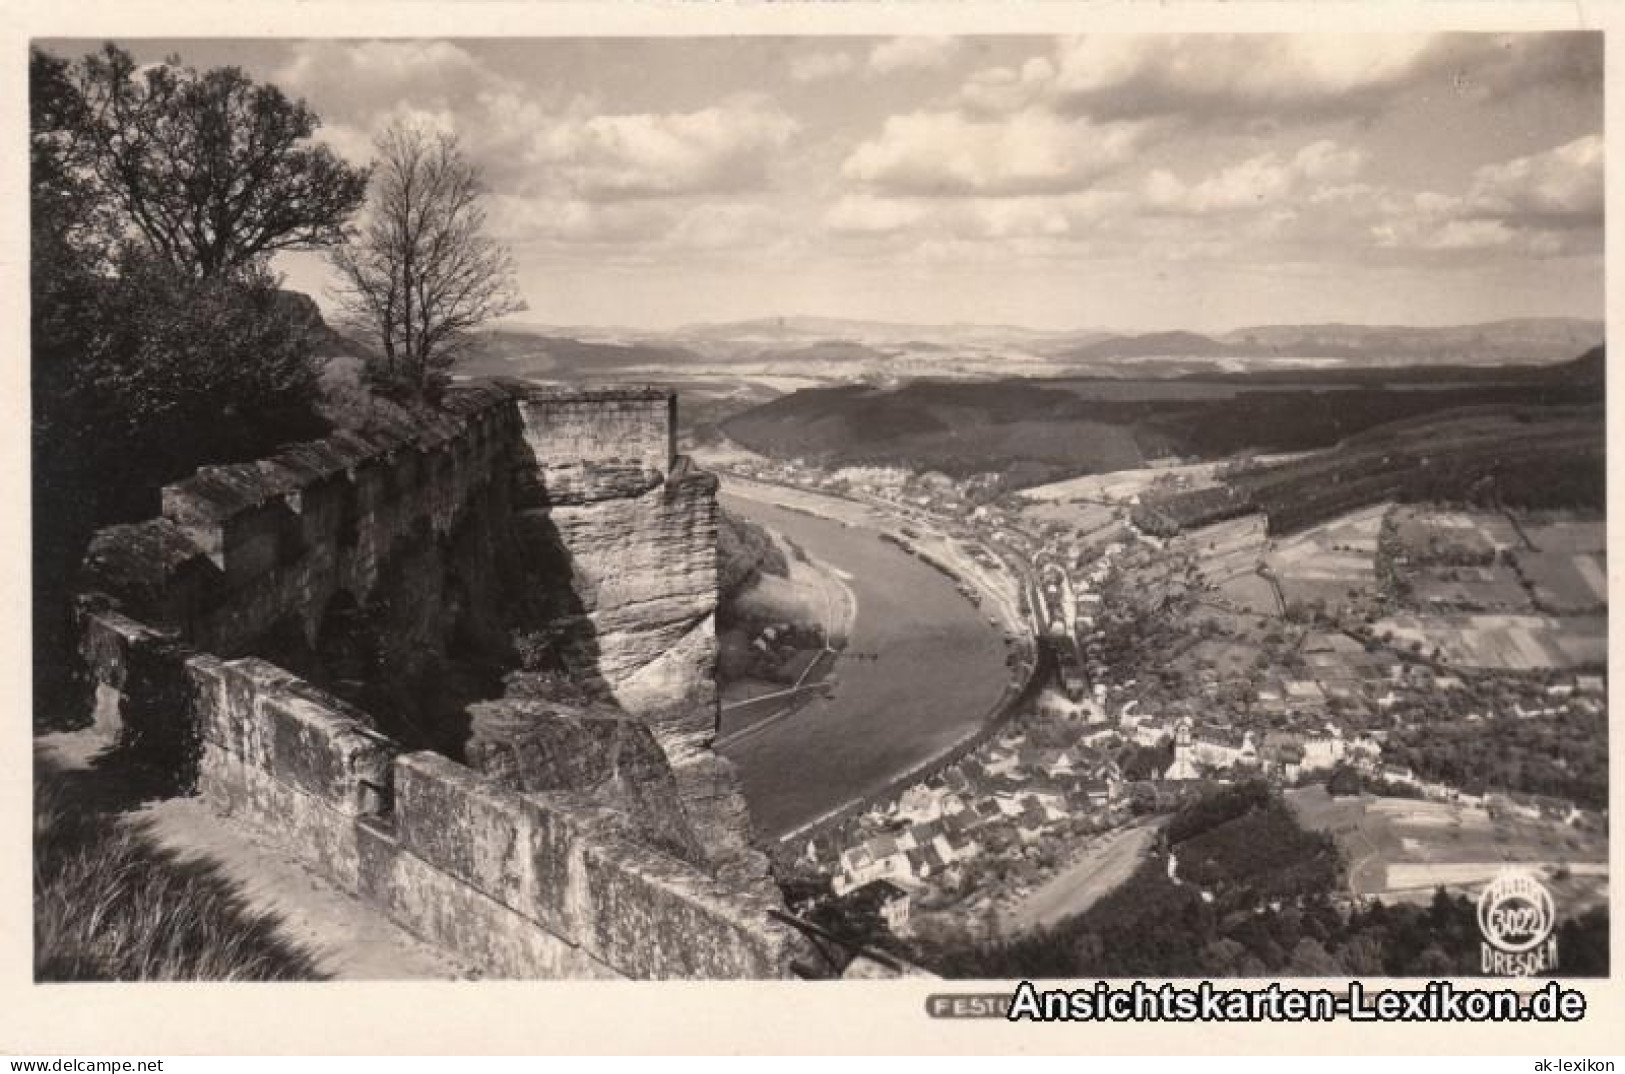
column 110, row 905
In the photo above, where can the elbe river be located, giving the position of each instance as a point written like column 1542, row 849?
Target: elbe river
column 938, row 668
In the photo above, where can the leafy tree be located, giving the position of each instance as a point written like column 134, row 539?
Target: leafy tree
column 422, row 273
column 213, row 171
column 150, row 357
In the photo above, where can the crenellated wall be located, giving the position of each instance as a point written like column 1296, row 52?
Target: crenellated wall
column 602, row 839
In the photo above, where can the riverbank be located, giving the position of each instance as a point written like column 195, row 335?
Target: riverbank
column 921, row 670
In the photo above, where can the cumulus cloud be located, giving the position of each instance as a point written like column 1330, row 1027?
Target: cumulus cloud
column 904, row 53
column 818, row 66
column 972, row 219
column 355, row 81
column 865, row 214
column 1565, row 182
column 1284, row 78
column 1542, row 204
column 1256, row 183
column 722, row 149
column 952, row 154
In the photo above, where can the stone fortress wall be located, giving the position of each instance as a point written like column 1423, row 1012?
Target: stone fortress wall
column 606, row 841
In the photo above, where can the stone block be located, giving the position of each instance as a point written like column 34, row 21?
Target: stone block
column 653, row 918
column 489, row 837
column 283, row 815
column 274, row 721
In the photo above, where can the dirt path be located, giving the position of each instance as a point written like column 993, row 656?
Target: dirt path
column 1077, row 887
column 350, row 940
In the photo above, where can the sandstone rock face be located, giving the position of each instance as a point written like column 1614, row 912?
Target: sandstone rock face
column 608, row 757
column 622, row 545
column 404, row 572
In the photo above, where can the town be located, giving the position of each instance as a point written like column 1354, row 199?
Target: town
column 1182, row 660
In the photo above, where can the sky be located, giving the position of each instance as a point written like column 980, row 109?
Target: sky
column 1135, row 183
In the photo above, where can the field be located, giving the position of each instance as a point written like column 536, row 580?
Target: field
column 1504, row 642
column 1402, row 849
column 1566, row 581
column 1329, row 561
column 1492, row 588
column 1082, row 516
column 1566, row 533
column 1119, row 487
column 1433, row 535
column 1251, row 593
column 1230, row 550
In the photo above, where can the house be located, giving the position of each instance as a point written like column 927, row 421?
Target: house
column 1398, row 774
column 1031, row 822
column 924, row 863
column 883, row 899
column 1323, row 751
column 920, row 802
column 1097, row 792
column 1009, row 805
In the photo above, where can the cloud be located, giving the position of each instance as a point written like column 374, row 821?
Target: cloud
column 971, row 219
column 1283, row 78
column 526, row 140
column 1256, row 183
column 1543, row 204
column 951, row 154
column 994, row 90
column 865, row 214
column 722, row 149
column 686, row 225
column 818, row 66
column 355, row 81
column 905, row 53
column 1563, row 182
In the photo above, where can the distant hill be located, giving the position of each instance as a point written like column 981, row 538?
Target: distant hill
column 1533, row 341
column 1031, row 431
column 520, row 353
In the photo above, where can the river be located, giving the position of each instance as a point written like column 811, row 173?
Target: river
column 937, row 667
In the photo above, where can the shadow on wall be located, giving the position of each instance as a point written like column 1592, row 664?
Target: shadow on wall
column 454, row 622
column 553, row 631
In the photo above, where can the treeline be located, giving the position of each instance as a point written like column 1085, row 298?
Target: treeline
column 1253, row 895
column 1498, row 456
column 1564, row 755
column 1169, row 516
column 1036, row 431
column 745, row 552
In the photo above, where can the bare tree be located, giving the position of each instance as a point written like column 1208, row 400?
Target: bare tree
column 421, row 274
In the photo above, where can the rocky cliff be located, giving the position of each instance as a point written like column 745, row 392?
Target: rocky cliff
column 526, row 582
column 624, row 533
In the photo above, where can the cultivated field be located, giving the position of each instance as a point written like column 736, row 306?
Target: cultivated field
column 1430, row 535
column 1328, row 561
column 1504, row 642
column 1228, row 550
column 1566, row 581
column 1123, row 486
column 1492, row 588
column 1402, row 849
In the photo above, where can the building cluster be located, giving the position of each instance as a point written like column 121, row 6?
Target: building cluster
column 1003, row 799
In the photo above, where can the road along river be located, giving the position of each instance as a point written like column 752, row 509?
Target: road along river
column 921, row 670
